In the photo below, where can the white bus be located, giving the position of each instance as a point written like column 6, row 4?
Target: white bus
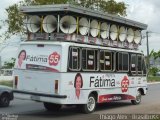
column 77, row 56
column 57, row 73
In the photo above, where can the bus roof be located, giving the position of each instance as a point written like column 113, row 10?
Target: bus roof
column 67, row 44
column 80, row 11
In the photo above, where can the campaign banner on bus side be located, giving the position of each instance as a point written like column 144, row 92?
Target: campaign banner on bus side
column 39, row 57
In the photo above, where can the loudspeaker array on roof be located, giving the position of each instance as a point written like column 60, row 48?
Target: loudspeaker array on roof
column 69, row 24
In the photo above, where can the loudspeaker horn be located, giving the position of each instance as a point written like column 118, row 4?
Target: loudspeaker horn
column 83, row 26
column 94, row 28
column 104, row 29
column 34, row 23
column 68, row 24
column 113, row 32
column 122, row 33
column 137, row 37
column 49, row 23
column 130, row 35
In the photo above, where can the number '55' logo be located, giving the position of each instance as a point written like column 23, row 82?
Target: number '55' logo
column 54, row 58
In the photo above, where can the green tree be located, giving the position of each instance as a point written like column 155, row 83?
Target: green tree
column 153, row 71
column 15, row 20
column 109, row 6
column 154, row 54
column 158, row 54
column 9, row 64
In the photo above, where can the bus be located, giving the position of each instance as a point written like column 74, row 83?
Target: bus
column 69, row 70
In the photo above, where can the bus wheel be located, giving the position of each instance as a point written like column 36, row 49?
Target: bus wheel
column 4, row 100
column 90, row 106
column 52, row 106
column 138, row 98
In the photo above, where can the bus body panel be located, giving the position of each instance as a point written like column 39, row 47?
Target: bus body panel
column 39, row 56
column 46, row 65
column 37, row 81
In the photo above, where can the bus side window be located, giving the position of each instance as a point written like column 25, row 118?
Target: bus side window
column 133, row 65
column 74, row 58
column 106, row 62
column 84, row 59
column 144, row 67
column 125, row 61
column 101, row 61
column 122, row 62
column 89, row 59
column 139, row 64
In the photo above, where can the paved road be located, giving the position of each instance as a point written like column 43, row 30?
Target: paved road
column 33, row 110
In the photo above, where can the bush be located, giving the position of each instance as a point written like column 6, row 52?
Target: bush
column 153, row 71
column 7, row 83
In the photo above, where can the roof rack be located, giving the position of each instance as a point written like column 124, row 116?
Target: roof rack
column 81, row 11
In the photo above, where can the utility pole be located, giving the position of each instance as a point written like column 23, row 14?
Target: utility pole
column 148, row 61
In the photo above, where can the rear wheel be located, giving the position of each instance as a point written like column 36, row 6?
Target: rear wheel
column 52, row 106
column 4, row 100
column 90, row 106
column 138, row 98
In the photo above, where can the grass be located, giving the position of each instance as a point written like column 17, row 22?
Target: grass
column 153, row 79
column 7, row 83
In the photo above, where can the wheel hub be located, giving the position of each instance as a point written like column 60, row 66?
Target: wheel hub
column 91, row 104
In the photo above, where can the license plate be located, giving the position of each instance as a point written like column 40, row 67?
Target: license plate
column 34, row 97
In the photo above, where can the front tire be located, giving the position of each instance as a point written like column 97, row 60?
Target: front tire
column 90, row 106
column 52, row 106
column 138, row 98
column 4, row 100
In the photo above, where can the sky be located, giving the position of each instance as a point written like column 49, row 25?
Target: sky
column 144, row 11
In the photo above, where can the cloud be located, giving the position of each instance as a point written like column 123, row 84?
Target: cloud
column 9, row 48
column 146, row 11
column 4, row 5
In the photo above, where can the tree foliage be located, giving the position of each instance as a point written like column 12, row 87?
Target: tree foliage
column 9, row 64
column 153, row 71
column 110, row 6
column 15, row 20
column 154, row 54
